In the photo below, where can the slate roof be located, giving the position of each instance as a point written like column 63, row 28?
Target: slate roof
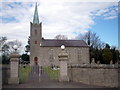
column 58, row 43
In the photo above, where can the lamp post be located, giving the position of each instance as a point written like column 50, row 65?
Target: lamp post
column 62, row 47
column 15, row 48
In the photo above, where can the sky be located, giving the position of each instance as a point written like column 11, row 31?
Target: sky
column 66, row 17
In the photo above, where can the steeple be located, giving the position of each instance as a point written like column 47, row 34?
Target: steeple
column 36, row 17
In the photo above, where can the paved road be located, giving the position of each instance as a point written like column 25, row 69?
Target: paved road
column 39, row 79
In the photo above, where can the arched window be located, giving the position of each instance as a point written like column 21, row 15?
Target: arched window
column 51, row 57
column 36, row 60
column 79, row 54
column 35, row 32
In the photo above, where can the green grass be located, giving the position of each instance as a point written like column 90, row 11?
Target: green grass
column 53, row 74
column 24, row 72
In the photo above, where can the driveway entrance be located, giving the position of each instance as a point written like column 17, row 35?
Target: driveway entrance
column 38, row 78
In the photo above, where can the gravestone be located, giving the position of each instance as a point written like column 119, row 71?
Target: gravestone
column 111, row 62
column 93, row 61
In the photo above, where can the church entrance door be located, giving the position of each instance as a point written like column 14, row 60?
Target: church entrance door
column 36, row 60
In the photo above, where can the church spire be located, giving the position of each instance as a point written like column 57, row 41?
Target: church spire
column 36, row 17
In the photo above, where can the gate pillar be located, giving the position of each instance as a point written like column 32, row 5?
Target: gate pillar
column 14, row 69
column 63, row 58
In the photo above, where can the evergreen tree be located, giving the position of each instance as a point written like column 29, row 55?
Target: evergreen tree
column 107, row 55
column 25, row 58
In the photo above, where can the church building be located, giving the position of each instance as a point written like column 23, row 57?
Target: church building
column 45, row 51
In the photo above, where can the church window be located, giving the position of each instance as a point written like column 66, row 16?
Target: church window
column 35, row 42
column 51, row 57
column 79, row 54
column 35, row 32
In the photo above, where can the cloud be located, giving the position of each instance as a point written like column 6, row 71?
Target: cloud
column 18, row 31
column 111, row 17
column 108, row 13
column 66, row 17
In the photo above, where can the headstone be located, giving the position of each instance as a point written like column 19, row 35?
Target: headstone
column 116, row 62
column 93, row 61
column 111, row 62
column 98, row 62
column 14, row 69
column 63, row 58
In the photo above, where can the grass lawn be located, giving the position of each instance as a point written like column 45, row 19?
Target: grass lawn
column 53, row 74
column 24, row 72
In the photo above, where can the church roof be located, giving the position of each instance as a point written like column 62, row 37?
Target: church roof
column 58, row 43
column 36, row 17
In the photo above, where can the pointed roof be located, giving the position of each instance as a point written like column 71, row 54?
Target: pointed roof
column 36, row 17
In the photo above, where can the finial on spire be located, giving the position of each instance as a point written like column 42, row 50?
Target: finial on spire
column 36, row 17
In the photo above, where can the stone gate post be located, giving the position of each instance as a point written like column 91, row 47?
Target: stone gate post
column 14, row 69
column 63, row 58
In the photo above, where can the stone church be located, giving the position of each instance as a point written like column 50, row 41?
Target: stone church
column 45, row 51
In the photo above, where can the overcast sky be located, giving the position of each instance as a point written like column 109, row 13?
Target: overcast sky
column 67, row 17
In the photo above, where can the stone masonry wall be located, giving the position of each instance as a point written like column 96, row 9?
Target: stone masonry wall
column 100, row 75
column 45, row 52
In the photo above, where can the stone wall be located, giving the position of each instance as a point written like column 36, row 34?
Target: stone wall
column 100, row 75
column 5, row 74
column 45, row 52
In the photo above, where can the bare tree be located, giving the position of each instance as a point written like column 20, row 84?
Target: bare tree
column 2, row 41
column 91, row 39
column 101, row 45
column 11, row 44
column 61, row 37
column 5, row 48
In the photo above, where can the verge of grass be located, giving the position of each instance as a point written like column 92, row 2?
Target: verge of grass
column 24, row 73
column 53, row 74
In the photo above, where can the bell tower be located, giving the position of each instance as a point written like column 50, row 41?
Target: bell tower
column 35, row 36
